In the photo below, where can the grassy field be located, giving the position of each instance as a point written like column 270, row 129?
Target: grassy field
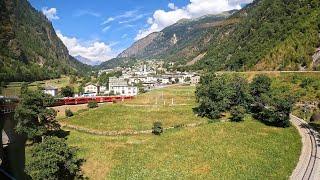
column 174, row 95
column 13, row 88
column 248, row 150
column 143, row 111
column 221, row 150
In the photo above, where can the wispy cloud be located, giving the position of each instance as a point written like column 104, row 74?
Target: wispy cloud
column 83, row 12
column 135, row 18
column 124, row 36
column 50, row 13
column 125, row 18
column 105, row 29
column 110, row 19
column 125, row 15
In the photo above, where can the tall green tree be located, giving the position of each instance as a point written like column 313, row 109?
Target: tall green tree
column 54, row 159
column 218, row 93
column 32, row 116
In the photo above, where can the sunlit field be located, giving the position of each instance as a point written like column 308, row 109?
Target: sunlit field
column 221, row 150
column 248, row 150
column 172, row 106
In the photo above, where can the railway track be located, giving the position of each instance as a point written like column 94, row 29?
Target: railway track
column 308, row 167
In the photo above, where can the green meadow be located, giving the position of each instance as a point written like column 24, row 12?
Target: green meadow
column 247, row 150
column 220, row 150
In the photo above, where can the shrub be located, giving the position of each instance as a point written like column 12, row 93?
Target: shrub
column 306, row 82
column 68, row 113
column 275, row 111
column 92, row 104
column 260, row 84
column 157, row 128
column 67, row 91
column 237, row 113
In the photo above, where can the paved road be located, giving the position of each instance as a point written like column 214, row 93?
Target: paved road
column 308, row 167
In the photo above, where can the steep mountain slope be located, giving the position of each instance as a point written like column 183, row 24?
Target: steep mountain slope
column 179, row 42
column 29, row 47
column 117, row 62
column 273, row 35
column 264, row 35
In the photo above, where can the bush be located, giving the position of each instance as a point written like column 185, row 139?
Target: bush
column 157, row 128
column 237, row 113
column 53, row 159
column 276, row 111
column 68, row 113
column 67, row 91
column 261, row 84
column 306, row 82
column 92, row 104
column 217, row 94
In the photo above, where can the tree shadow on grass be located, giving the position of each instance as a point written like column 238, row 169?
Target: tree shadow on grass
column 60, row 133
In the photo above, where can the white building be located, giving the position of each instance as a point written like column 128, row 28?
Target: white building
column 119, row 86
column 195, row 79
column 165, row 80
column 93, row 90
column 53, row 91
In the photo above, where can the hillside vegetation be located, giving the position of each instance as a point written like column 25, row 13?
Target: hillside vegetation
column 29, row 47
column 264, row 35
column 273, row 35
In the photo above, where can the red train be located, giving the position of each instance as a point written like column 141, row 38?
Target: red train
column 85, row 100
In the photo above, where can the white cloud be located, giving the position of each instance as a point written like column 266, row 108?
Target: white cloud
column 96, row 50
column 106, row 29
column 110, row 19
column 172, row 6
column 51, row 13
column 125, row 15
column 82, row 12
column 124, row 36
column 134, row 18
column 194, row 9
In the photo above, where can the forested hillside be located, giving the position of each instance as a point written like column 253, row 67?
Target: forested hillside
column 29, row 47
column 273, row 35
column 264, row 35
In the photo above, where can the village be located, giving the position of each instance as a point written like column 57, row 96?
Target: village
column 134, row 80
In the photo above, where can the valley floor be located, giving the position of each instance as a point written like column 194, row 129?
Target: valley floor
column 248, row 150
column 222, row 150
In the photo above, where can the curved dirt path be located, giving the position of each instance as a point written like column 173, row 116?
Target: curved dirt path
column 308, row 167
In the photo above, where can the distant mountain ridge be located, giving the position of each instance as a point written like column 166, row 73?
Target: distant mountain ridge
column 87, row 61
column 264, row 35
column 180, row 38
column 29, row 47
column 180, row 42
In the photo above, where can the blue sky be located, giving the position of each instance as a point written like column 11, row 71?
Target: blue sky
column 100, row 29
